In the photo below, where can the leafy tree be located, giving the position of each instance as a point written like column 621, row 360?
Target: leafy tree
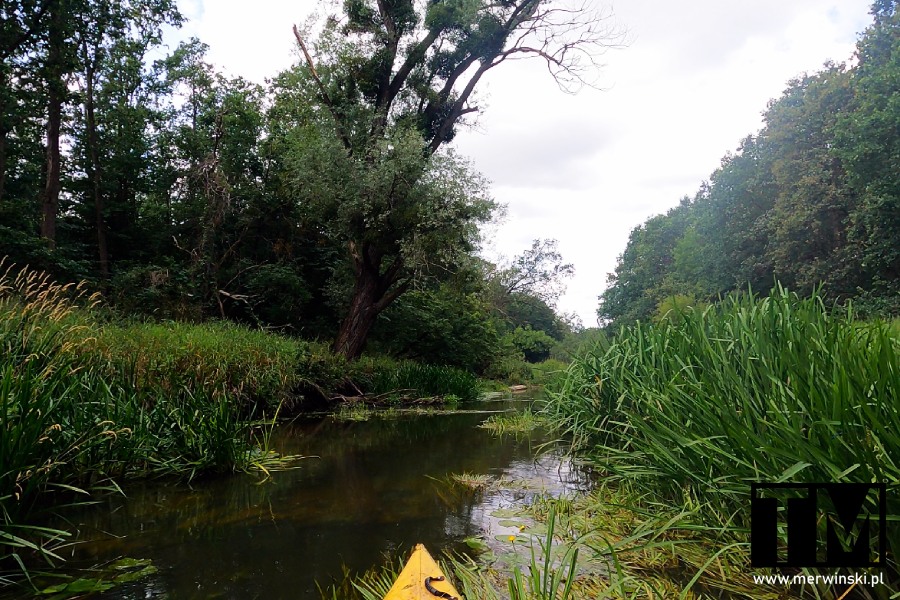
column 641, row 278
column 450, row 325
column 112, row 39
column 21, row 123
column 525, row 310
column 741, row 195
column 808, row 220
column 389, row 84
column 867, row 139
column 538, row 272
column 534, row 345
column 812, row 200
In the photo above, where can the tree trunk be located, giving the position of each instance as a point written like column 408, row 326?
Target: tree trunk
column 354, row 331
column 96, row 173
column 373, row 292
column 6, row 116
column 50, row 194
column 3, row 134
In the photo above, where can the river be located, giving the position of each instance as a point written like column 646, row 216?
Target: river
column 367, row 489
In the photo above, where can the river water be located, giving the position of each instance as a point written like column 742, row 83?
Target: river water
column 367, row 489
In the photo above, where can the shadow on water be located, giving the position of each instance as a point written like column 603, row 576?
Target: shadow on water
column 369, row 488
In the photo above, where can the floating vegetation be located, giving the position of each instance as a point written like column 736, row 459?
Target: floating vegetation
column 475, row 481
column 517, row 423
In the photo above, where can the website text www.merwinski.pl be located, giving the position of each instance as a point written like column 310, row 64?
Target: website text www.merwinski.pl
column 864, row 579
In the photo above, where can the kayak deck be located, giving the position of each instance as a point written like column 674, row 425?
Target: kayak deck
column 411, row 583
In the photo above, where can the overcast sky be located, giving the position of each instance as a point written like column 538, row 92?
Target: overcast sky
column 587, row 168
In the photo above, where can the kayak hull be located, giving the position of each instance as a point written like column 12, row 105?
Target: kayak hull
column 410, row 583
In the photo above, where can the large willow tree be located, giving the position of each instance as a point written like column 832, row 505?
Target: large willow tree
column 383, row 88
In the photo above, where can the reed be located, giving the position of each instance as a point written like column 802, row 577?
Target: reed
column 254, row 368
column 547, row 579
column 772, row 389
column 423, row 380
column 74, row 419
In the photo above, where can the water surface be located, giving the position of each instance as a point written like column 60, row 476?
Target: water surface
column 368, row 489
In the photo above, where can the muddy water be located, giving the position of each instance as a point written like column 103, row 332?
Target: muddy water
column 367, row 489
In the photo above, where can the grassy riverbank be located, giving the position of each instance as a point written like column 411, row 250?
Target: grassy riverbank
column 84, row 406
column 87, row 402
column 687, row 412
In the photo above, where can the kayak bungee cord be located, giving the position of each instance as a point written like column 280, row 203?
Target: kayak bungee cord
column 435, row 592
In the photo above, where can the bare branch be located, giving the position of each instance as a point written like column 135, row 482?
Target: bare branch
column 27, row 33
column 325, row 97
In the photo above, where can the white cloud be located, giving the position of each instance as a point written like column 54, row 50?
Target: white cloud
column 586, row 169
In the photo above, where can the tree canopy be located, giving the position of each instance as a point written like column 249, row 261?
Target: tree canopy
column 812, row 200
column 384, row 86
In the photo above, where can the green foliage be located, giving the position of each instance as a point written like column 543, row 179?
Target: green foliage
column 811, row 201
column 673, row 308
column 577, row 343
column 534, row 345
column 442, row 326
column 249, row 367
column 773, row 389
column 531, row 312
column 421, row 380
column 510, row 367
column 547, row 371
column 640, row 276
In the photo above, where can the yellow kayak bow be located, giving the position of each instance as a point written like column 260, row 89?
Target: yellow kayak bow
column 421, row 579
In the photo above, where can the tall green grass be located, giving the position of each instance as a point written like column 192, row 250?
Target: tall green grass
column 73, row 418
column 332, row 375
column 425, row 380
column 767, row 390
column 255, row 368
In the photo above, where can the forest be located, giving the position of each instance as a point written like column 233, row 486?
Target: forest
column 811, row 201
column 325, row 204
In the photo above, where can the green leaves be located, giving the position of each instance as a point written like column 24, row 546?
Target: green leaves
column 812, row 200
column 752, row 389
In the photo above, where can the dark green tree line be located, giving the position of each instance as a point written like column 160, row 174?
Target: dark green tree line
column 313, row 204
column 812, row 200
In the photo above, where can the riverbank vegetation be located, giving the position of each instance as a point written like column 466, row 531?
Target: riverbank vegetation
column 88, row 401
column 688, row 411
column 79, row 413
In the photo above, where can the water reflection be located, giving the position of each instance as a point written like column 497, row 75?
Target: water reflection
column 374, row 487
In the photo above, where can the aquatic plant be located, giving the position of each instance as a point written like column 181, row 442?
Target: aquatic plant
column 547, row 579
column 773, row 389
column 517, row 423
column 473, row 481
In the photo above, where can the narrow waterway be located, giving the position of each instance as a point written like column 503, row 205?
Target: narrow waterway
column 368, row 489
